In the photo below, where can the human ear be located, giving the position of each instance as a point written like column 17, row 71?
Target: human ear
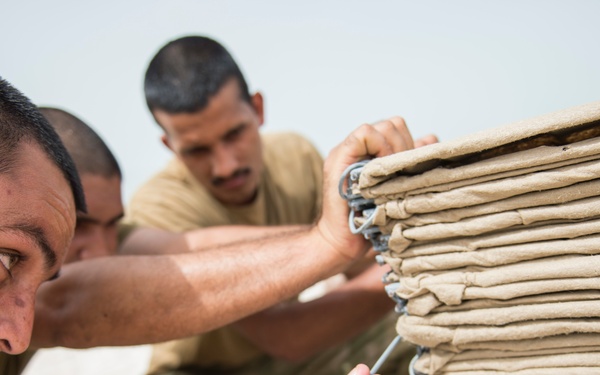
column 165, row 141
column 257, row 102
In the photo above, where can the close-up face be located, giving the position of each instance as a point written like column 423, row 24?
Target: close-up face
column 220, row 144
column 37, row 221
column 96, row 230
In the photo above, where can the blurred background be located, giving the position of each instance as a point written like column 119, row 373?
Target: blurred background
column 324, row 67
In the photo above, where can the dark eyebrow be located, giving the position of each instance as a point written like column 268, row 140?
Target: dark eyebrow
column 200, row 148
column 234, row 130
column 37, row 235
column 81, row 219
column 195, row 148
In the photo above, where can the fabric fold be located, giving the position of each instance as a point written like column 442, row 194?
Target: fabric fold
column 494, row 246
column 525, row 131
column 525, row 162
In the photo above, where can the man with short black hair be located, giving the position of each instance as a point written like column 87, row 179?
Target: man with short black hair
column 40, row 192
column 90, row 304
column 226, row 172
column 96, row 230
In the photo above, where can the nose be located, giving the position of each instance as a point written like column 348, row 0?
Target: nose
column 16, row 322
column 224, row 162
column 100, row 244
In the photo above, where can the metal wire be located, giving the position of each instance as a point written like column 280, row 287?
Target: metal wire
column 367, row 208
column 386, row 353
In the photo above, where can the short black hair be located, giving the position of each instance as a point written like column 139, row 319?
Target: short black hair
column 187, row 72
column 20, row 121
column 89, row 152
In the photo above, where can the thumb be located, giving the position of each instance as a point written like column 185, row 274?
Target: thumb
column 360, row 370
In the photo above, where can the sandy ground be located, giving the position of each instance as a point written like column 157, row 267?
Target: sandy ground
column 132, row 360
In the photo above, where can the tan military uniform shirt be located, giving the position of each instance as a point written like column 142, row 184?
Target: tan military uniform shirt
column 289, row 193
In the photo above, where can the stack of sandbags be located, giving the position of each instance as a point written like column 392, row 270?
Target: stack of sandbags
column 494, row 243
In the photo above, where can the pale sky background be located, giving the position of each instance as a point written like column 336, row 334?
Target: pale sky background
column 324, row 67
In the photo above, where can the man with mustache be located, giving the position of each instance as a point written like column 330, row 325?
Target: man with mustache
column 226, row 172
column 90, row 304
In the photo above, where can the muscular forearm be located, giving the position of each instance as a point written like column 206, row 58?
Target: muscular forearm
column 130, row 300
column 142, row 299
column 151, row 241
column 296, row 331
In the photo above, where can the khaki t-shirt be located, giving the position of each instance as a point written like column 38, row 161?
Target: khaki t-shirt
column 289, row 193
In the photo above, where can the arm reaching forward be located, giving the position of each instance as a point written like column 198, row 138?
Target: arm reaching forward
column 129, row 300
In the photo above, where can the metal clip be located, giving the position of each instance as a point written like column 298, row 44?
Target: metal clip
column 351, row 175
column 411, row 366
column 367, row 208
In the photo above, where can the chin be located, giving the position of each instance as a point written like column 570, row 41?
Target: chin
column 239, row 199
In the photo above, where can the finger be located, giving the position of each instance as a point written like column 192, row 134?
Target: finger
column 381, row 138
column 396, row 133
column 368, row 141
column 426, row 140
column 360, row 370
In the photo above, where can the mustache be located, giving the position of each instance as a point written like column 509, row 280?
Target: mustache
column 217, row 181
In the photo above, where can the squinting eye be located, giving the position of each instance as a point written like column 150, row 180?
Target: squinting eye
column 8, row 260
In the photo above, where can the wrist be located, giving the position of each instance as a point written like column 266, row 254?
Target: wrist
column 347, row 248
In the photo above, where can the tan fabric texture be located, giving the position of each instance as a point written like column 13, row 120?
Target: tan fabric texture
column 495, row 295
column 514, row 236
column 549, row 342
column 449, row 287
column 431, row 336
column 496, row 190
column 494, row 243
column 533, row 199
column 509, row 364
column 582, row 209
column 576, row 290
column 572, row 370
column 499, row 316
column 497, row 256
column 501, row 167
column 426, row 158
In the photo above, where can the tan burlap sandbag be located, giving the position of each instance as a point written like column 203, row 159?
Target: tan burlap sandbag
column 499, row 316
column 518, row 163
column 552, row 129
column 432, row 336
column 498, row 256
column 556, row 196
column 574, row 370
column 449, row 287
column 510, row 237
column 425, row 303
column 511, row 364
column 542, row 291
column 549, row 342
column 588, row 208
column 437, row 361
column 394, row 189
column 496, row 190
